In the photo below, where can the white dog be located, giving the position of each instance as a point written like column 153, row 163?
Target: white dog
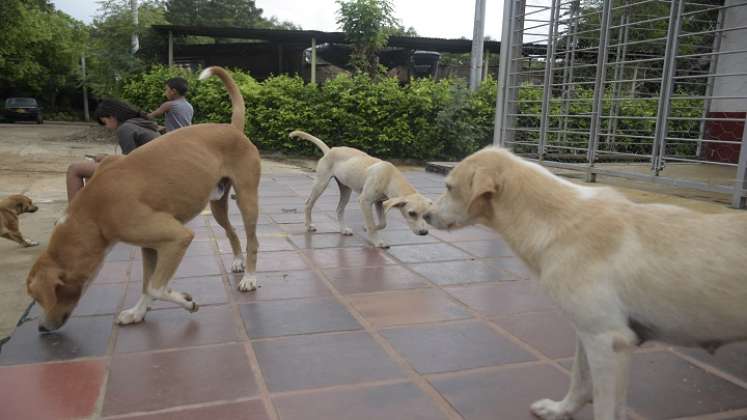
column 623, row 272
column 379, row 184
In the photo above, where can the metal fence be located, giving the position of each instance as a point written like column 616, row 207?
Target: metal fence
column 643, row 89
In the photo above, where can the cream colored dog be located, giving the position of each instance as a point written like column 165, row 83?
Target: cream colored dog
column 623, row 272
column 144, row 199
column 379, row 184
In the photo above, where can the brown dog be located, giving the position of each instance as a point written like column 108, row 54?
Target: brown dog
column 144, row 199
column 10, row 208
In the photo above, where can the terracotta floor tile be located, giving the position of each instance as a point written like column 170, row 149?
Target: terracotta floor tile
column 271, row 261
column 323, row 225
column 348, row 257
column 549, row 332
column 463, row 345
column 325, row 240
column 666, row 386
column 486, row 249
column 155, row 381
column 296, row 316
column 427, row 253
column 79, row 337
column 197, row 248
column 121, row 252
column 51, row 391
column 505, row 393
column 729, row 358
column 244, row 410
column 197, row 267
column 172, row 328
column 202, row 233
column 460, row 272
column 407, row 307
column 237, row 221
column 402, row 401
column 471, row 233
column 297, row 217
column 515, row 266
column 505, row 298
column 113, row 272
column 374, row 279
column 311, row 361
column 99, row 299
column 204, row 290
column 280, row 285
column 399, row 236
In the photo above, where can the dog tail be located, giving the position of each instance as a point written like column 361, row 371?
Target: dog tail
column 306, row 136
column 237, row 101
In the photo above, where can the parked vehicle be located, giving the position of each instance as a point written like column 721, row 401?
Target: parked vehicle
column 17, row 109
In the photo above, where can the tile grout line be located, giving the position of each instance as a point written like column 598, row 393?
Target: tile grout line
column 241, row 334
column 713, row 370
column 724, row 415
column 178, row 408
column 441, row 402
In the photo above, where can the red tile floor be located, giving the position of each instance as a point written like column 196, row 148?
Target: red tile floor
column 445, row 326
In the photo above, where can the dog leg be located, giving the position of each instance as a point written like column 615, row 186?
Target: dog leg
column 137, row 313
column 17, row 237
column 609, row 373
column 322, row 180
column 578, row 394
column 344, row 199
column 249, row 206
column 219, row 208
column 381, row 215
column 373, row 236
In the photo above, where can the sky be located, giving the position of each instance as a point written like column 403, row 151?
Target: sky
column 430, row 18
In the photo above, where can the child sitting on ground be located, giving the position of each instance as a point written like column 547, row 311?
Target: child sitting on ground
column 178, row 112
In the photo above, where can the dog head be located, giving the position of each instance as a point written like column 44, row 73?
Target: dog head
column 21, row 204
column 470, row 190
column 54, row 290
column 413, row 207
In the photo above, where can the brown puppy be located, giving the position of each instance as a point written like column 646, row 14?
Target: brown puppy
column 144, row 199
column 10, row 208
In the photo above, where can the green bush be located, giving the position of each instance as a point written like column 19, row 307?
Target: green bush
column 423, row 120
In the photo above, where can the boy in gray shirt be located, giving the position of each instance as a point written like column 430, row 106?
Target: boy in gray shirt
column 178, row 112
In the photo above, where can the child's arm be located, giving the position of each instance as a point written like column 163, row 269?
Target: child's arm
column 164, row 108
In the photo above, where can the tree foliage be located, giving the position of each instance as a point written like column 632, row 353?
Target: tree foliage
column 367, row 25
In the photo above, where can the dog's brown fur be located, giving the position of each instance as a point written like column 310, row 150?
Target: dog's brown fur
column 144, row 199
column 10, row 208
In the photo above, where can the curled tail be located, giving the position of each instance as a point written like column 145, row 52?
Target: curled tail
column 306, row 136
column 237, row 101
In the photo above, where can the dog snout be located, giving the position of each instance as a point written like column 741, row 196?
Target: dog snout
column 423, row 232
column 42, row 329
column 32, row 209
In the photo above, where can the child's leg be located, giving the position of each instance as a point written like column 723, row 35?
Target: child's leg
column 76, row 173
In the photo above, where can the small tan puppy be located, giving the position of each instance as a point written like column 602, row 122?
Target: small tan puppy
column 10, row 208
column 144, row 199
column 379, row 184
column 623, row 272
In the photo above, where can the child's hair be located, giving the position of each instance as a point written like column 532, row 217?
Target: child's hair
column 178, row 84
column 121, row 111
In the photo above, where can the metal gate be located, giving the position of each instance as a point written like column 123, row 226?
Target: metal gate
column 644, row 89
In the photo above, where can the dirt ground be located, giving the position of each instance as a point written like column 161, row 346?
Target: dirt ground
column 34, row 158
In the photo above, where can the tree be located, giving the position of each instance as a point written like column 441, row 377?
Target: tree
column 367, row 25
column 236, row 13
column 39, row 50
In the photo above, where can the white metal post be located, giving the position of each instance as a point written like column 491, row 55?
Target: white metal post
column 739, row 199
column 478, row 36
column 135, row 41
column 504, row 73
column 548, row 78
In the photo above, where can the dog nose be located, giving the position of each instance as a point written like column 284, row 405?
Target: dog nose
column 422, row 232
column 42, row 329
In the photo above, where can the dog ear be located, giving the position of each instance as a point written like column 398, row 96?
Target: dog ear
column 394, row 202
column 484, row 189
column 43, row 287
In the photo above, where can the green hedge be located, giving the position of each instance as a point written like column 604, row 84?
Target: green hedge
column 423, row 120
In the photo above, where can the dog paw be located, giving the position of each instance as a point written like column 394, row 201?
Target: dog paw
column 347, row 231
column 310, row 228
column 130, row 316
column 194, row 307
column 30, row 243
column 248, row 283
column 550, row 410
column 381, row 244
column 237, row 266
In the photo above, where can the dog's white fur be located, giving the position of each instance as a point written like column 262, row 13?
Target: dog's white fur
column 379, row 184
column 623, row 272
